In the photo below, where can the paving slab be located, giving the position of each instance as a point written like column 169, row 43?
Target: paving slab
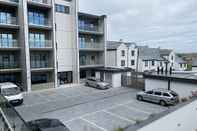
column 107, row 121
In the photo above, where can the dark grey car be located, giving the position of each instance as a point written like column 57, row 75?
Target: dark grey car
column 160, row 96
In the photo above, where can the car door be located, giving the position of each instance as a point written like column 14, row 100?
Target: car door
column 157, row 96
column 148, row 95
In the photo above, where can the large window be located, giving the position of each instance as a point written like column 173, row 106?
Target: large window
column 39, row 60
column 37, row 40
column 123, row 53
column 7, row 18
column 62, row 9
column 7, row 61
column 37, row 18
column 122, row 62
column 39, row 78
column 8, row 78
column 65, row 77
column 132, row 62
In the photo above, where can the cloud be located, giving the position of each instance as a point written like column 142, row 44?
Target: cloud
column 164, row 23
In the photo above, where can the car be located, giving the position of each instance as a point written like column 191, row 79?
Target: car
column 46, row 125
column 161, row 96
column 11, row 92
column 96, row 83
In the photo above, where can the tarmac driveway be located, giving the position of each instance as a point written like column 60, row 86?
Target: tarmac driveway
column 86, row 109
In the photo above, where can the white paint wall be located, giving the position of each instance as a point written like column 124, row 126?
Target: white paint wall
column 194, row 68
column 111, row 58
column 183, row 119
column 116, row 80
column 119, row 55
column 183, row 89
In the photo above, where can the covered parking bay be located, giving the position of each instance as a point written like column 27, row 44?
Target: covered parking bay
column 112, row 75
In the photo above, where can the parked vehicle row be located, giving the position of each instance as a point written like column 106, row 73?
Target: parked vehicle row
column 160, row 96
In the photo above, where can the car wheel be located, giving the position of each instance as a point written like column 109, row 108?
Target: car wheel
column 162, row 103
column 140, row 98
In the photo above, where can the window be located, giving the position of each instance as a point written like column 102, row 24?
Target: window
column 39, row 78
column 132, row 62
column 132, row 53
column 153, row 63
column 37, row 40
column 146, row 63
column 36, row 17
column 172, row 58
column 82, row 74
column 39, row 60
column 6, row 40
column 65, row 77
column 166, row 95
column 122, row 62
column 123, row 53
column 149, row 92
column 157, row 93
column 62, row 9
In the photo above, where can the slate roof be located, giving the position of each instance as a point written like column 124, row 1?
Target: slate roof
column 180, row 60
column 113, row 45
column 165, row 52
column 146, row 53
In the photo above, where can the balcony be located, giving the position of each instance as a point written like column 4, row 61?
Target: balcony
column 9, row 67
column 38, row 66
column 9, row 44
column 9, row 23
column 90, row 64
column 41, row 24
column 87, row 29
column 40, row 45
column 88, row 46
column 9, row 2
column 40, row 3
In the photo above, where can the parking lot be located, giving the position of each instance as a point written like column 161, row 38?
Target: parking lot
column 86, row 109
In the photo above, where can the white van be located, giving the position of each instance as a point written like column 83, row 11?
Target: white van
column 11, row 92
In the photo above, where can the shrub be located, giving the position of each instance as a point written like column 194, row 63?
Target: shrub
column 119, row 129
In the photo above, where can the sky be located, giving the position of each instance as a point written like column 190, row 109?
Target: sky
column 157, row 23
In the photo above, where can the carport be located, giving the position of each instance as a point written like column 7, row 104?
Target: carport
column 112, row 75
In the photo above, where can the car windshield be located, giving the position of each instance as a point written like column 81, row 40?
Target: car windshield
column 10, row 91
column 174, row 93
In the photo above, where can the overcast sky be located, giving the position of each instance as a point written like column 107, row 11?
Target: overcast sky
column 164, row 23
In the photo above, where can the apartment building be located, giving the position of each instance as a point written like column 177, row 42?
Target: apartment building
column 121, row 54
column 92, row 43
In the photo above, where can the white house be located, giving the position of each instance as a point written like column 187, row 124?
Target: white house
column 121, row 55
column 180, row 64
column 149, row 59
column 169, row 55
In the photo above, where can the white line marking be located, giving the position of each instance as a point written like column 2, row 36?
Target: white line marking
column 92, row 123
column 120, row 117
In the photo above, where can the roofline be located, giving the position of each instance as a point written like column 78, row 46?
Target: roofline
column 91, row 15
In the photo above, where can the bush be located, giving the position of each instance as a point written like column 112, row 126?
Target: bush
column 119, row 129
column 184, row 99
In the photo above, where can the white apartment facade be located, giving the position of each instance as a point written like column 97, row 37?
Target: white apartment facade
column 39, row 45
column 121, row 55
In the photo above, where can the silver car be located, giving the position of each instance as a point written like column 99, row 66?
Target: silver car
column 160, row 96
column 96, row 83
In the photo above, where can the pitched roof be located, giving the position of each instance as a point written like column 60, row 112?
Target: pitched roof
column 179, row 59
column 164, row 52
column 146, row 53
column 113, row 45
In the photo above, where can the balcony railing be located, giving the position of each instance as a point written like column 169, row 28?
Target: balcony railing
column 43, row 22
column 88, row 28
column 9, row 65
column 39, row 64
column 42, row 1
column 89, row 62
column 40, row 44
column 88, row 45
column 10, row 120
column 9, row 21
column 6, row 43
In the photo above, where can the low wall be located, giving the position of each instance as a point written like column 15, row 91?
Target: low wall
column 183, row 119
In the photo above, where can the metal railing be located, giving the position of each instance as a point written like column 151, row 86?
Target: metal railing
column 10, row 118
column 6, row 43
column 39, row 64
column 88, row 28
column 9, row 21
column 42, row 1
column 44, row 22
column 88, row 45
column 9, row 65
column 40, row 44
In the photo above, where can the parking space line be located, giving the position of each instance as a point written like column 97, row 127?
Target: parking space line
column 120, row 117
column 137, row 109
column 94, row 124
